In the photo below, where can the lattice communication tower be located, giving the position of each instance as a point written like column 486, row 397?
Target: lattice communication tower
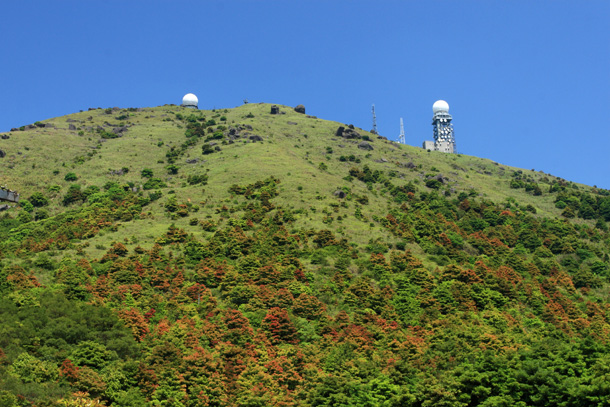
column 401, row 137
column 374, row 131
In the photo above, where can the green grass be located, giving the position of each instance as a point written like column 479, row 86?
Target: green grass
column 292, row 149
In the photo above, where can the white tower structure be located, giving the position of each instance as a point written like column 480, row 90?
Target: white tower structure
column 401, row 137
column 190, row 100
column 444, row 139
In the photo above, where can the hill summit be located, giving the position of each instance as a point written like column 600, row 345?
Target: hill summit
column 262, row 256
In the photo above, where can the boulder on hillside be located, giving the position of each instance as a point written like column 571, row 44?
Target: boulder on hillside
column 255, row 137
column 119, row 130
column 275, row 109
column 233, row 133
column 365, row 146
column 441, row 178
column 2, row 154
column 350, row 133
column 300, row 109
column 5, row 137
column 340, row 194
column 71, row 127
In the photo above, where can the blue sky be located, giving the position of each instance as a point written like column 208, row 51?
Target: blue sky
column 528, row 82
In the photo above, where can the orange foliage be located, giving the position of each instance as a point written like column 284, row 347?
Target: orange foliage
column 134, row 319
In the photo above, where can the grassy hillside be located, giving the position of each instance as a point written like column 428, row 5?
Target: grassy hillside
column 293, row 149
column 239, row 257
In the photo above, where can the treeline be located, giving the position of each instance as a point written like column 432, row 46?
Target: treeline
column 472, row 303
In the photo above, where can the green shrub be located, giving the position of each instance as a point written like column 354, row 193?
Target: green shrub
column 207, row 149
column 74, row 194
column 433, row 183
column 70, row 177
column 172, row 169
column 38, row 199
column 154, row 183
column 26, row 205
column 197, row 179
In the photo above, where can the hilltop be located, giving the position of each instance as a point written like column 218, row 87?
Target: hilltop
column 240, row 257
column 116, row 145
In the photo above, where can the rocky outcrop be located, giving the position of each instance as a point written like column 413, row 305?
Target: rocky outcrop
column 300, row 109
column 365, row 146
column 119, row 130
column 348, row 133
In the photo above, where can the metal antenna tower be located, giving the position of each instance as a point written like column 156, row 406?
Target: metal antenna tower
column 402, row 133
column 374, row 131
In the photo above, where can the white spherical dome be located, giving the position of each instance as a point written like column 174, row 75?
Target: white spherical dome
column 440, row 106
column 190, row 100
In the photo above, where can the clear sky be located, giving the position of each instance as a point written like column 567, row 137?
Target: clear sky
column 528, row 82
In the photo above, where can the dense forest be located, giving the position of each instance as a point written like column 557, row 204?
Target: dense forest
column 398, row 284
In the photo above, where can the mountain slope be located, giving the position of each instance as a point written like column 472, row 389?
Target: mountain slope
column 239, row 257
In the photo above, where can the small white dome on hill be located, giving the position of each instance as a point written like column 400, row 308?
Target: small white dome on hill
column 440, row 106
column 190, row 100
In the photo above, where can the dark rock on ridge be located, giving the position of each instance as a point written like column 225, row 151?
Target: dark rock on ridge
column 365, row 146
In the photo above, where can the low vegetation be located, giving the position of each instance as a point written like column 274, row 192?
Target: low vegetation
column 243, row 258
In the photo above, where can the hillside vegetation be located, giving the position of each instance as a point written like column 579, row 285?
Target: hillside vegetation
column 234, row 257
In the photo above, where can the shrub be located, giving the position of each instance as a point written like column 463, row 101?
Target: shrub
column 38, row 199
column 147, row 173
column 207, row 149
column 24, row 217
column 41, row 214
column 70, row 177
column 154, row 183
column 74, row 194
column 26, row 205
column 197, row 179
column 433, row 183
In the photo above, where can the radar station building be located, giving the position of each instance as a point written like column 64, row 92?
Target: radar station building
column 190, row 100
column 444, row 139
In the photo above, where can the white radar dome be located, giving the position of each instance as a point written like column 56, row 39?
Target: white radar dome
column 440, row 106
column 190, row 100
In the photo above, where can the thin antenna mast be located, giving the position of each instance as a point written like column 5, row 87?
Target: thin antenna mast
column 374, row 131
column 402, row 133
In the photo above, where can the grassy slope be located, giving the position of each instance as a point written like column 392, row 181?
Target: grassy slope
column 294, row 146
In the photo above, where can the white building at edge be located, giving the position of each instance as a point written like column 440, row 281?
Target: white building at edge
column 444, row 139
